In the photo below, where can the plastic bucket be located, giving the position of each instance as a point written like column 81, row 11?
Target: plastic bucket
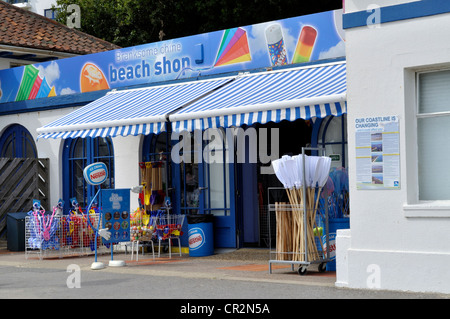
column 201, row 236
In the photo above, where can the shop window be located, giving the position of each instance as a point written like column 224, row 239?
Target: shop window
column 332, row 136
column 433, row 135
column 16, row 141
column 202, row 183
column 78, row 153
column 217, row 177
column 188, row 178
column 155, row 147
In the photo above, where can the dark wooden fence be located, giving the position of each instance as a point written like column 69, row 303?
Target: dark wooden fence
column 21, row 181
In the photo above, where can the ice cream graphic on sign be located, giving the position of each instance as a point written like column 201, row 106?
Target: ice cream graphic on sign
column 276, row 45
column 33, row 86
column 305, row 45
column 233, row 48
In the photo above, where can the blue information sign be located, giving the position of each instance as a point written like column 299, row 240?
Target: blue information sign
column 116, row 214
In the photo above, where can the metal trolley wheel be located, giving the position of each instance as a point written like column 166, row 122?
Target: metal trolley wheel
column 322, row 267
column 303, row 269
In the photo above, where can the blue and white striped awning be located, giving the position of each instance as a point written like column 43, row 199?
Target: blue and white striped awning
column 128, row 112
column 289, row 94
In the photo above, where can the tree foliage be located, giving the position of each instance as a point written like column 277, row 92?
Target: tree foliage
column 132, row 22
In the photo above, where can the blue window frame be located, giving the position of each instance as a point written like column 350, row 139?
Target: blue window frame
column 78, row 153
column 51, row 13
column 331, row 134
column 16, row 141
column 155, row 147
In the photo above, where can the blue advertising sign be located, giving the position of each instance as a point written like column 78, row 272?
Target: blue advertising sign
column 115, row 210
column 96, row 173
column 295, row 40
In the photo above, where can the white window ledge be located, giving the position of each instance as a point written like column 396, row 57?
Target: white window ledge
column 437, row 209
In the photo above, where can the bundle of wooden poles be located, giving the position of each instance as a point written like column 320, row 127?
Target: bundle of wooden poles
column 303, row 177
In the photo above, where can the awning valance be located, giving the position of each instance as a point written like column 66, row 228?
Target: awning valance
column 129, row 112
column 289, row 94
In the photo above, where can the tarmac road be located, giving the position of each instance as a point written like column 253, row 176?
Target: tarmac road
column 183, row 278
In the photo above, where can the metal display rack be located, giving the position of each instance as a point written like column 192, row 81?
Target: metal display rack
column 311, row 246
column 168, row 227
column 61, row 236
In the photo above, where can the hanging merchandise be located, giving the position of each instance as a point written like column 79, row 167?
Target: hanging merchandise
column 148, row 183
column 143, row 184
column 152, row 194
column 303, row 178
column 75, row 207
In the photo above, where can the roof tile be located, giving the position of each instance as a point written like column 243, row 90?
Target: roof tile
column 23, row 28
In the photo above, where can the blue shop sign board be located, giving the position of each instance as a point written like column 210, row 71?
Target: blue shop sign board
column 301, row 39
column 115, row 211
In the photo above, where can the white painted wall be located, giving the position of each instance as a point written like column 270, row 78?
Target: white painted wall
column 394, row 243
column 36, row 6
column 126, row 150
column 4, row 64
column 127, row 156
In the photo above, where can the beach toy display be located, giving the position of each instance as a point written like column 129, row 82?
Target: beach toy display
column 42, row 230
column 55, row 235
column 142, row 227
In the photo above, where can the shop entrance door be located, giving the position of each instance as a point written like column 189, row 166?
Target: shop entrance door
column 207, row 187
column 218, row 191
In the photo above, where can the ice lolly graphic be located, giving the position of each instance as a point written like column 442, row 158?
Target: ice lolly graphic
column 275, row 43
column 44, row 90
column 52, row 92
column 305, row 45
column 30, row 73
column 233, row 48
column 35, row 88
